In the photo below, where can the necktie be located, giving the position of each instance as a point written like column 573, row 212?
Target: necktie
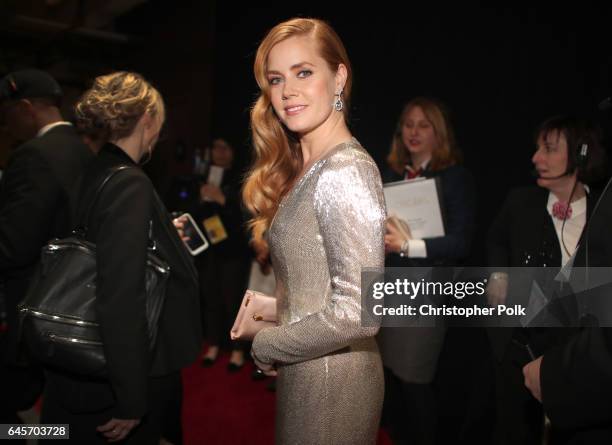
column 562, row 210
column 411, row 173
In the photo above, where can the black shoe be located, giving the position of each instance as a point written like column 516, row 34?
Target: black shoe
column 234, row 367
column 207, row 362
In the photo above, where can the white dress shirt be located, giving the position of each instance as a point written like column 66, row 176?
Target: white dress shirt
column 48, row 127
column 573, row 226
column 417, row 247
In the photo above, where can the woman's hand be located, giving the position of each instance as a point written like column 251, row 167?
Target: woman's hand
column 116, row 430
column 267, row 369
column 497, row 288
column 531, row 372
column 179, row 223
column 394, row 240
column 212, row 193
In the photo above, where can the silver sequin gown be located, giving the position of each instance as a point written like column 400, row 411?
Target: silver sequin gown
column 330, row 225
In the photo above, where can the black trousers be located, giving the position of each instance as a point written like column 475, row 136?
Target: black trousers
column 519, row 416
column 20, row 387
column 21, row 383
column 161, row 420
column 409, row 411
column 464, row 388
column 223, row 281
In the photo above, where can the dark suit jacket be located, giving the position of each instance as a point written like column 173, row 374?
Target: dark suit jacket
column 576, row 376
column 458, row 199
column 523, row 235
column 413, row 357
column 119, row 226
column 35, row 207
column 232, row 216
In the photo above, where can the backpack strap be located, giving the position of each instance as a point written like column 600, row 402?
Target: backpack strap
column 83, row 225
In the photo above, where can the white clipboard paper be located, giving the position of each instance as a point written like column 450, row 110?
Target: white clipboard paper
column 417, row 202
column 215, row 175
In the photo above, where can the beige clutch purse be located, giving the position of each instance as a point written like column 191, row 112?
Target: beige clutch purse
column 257, row 311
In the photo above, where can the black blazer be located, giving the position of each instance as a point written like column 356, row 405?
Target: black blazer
column 576, row 376
column 35, row 207
column 523, row 235
column 459, row 208
column 120, row 228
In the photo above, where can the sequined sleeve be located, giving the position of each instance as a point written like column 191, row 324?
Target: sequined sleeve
column 350, row 211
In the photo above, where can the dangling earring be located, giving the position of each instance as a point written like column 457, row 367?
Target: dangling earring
column 338, row 104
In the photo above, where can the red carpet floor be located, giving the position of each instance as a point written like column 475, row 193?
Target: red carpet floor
column 220, row 408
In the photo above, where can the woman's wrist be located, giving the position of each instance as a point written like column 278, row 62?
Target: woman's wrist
column 403, row 252
column 261, row 364
column 498, row 276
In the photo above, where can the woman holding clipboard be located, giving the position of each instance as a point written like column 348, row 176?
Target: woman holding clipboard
column 423, row 146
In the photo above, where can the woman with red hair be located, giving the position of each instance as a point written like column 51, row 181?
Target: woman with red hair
column 316, row 195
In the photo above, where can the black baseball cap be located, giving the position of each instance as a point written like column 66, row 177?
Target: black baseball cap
column 28, row 84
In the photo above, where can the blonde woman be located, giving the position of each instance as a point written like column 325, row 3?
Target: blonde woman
column 133, row 404
column 317, row 196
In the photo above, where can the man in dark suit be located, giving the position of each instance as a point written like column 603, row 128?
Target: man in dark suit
column 574, row 379
column 34, row 207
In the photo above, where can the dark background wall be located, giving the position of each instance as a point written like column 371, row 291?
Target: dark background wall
column 501, row 70
column 169, row 42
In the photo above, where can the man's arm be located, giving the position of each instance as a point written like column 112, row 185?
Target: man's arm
column 576, row 380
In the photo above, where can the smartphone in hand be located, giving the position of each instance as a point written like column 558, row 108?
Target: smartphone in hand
column 197, row 242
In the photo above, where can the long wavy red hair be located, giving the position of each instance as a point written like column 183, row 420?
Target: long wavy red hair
column 278, row 157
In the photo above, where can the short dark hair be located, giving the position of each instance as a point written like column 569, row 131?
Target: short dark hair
column 28, row 84
column 579, row 131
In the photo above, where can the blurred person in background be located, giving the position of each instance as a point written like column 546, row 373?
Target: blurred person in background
column 224, row 266
column 538, row 227
column 34, row 208
column 423, row 146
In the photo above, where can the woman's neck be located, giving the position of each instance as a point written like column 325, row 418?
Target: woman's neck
column 130, row 145
column 563, row 190
column 418, row 159
column 318, row 142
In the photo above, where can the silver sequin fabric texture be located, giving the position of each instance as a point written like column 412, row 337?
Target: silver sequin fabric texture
column 330, row 224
